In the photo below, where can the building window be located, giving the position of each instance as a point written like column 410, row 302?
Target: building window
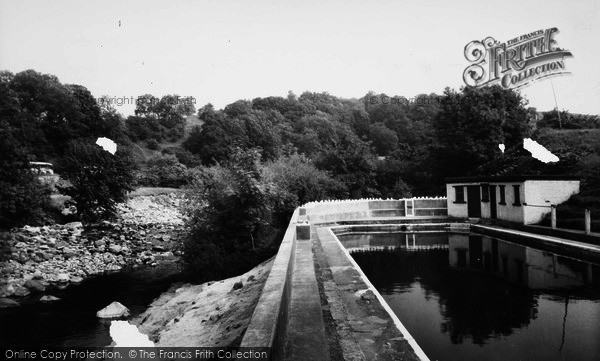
column 517, row 190
column 459, row 192
column 485, row 192
column 502, row 195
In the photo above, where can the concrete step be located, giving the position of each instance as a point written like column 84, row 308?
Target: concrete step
column 387, row 213
column 305, row 337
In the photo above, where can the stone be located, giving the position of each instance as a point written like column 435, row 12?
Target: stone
column 32, row 230
column 34, row 286
column 114, row 310
column 61, row 244
column 7, row 290
column 69, row 252
column 76, row 279
column 63, row 278
column 7, row 302
column 48, row 299
column 237, row 285
column 115, row 248
column 21, row 291
column 44, row 255
column 73, row 225
column 21, row 245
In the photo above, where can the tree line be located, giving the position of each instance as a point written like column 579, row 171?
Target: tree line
column 248, row 165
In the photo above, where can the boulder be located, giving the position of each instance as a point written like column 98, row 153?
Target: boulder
column 114, row 310
column 73, row 225
column 61, row 244
column 100, row 243
column 7, row 290
column 63, row 278
column 7, row 302
column 115, row 248
column 32, row 230
column 21, row 291
column 49, row 298
column 69, row 252
column 34, row 286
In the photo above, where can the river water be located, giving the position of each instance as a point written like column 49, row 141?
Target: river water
column 72, row 321
column 470, row 297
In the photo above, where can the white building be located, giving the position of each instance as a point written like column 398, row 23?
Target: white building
column 522, row 199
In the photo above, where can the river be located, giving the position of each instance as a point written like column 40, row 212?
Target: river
column 72, row 321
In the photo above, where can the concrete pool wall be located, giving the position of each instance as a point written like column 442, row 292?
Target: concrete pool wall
column 317, row 304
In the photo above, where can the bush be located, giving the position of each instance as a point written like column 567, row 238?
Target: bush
column 99, row 180
column 184, row 156
column 164, row 171
column 231, row 218
column 23, row 199
column 152, row 144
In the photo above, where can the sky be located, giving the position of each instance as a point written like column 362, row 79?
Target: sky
column 222, row 51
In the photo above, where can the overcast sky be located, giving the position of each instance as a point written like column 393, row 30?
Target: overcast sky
column 221, row 51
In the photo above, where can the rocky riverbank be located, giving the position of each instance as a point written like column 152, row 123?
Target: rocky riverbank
column 43, row 258
column 212, row 314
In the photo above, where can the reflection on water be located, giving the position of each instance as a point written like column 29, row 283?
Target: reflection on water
column 470, row 297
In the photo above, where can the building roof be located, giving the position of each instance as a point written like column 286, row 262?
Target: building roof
column 40, row 164
column 510, row 178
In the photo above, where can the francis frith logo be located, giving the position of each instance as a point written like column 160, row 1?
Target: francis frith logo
column 514, row 63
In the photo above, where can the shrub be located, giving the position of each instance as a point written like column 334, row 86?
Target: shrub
column 23, row 199
column 99, row 180
column 231, row 226
column 152, row 144
column 164, row 170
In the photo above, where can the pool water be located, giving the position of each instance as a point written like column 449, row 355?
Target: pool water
column 470, row 297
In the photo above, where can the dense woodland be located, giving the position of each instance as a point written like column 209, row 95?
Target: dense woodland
column 247, row 166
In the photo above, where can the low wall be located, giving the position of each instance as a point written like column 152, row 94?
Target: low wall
column 347, row 210
column 588, row 252
column 270, row 317
column 266, row 328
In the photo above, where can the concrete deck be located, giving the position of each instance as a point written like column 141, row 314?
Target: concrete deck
column 318, row 305
column 305, row 337
column 365, row 327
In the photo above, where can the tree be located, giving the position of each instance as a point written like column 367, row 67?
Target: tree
column 99, row 180
column 231, row 211
column 299, row 181
column 472, row 123
column 164, row 170
column 23, row 199
column 384, row 140
column 160, row 118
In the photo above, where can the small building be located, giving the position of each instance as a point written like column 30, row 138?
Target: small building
column 42, row 168
column 522, row 199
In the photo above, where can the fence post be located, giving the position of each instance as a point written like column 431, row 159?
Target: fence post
column 553, row 216
column 588, row 221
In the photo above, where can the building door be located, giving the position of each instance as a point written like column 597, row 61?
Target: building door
column 473, row 202
column 493, row 204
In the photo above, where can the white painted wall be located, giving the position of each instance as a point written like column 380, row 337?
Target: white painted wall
column 531, row 192
column 456, row 209
column 537, row 193
column 508, row 211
